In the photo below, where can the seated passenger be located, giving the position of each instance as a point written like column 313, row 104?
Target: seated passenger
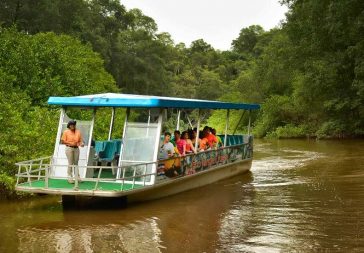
column 204, row 143
column 180, row 143
column 210, row 137
column 219, row 141
column 166, row 150
column 189, row 146
column 171, row 167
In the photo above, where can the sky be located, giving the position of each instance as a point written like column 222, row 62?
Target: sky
column 217, row 22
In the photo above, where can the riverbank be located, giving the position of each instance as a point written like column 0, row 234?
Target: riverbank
column 7, row 189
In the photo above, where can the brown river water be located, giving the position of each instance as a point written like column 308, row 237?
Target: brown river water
column 300, row 196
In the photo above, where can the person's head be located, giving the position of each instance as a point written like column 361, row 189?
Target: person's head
column 167, row 136
column 213, row 131
column 177, row 135
column 185, row 135
column 206, row 129
column 191, row 134
column 71, row 124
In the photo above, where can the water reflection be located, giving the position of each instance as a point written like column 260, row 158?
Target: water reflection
column 141, row 236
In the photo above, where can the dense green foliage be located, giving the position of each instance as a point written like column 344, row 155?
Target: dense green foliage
column 32, row 68
column 308, row 74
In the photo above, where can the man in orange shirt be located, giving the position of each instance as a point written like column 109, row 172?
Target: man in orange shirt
column 72, row 138
column 212, row 140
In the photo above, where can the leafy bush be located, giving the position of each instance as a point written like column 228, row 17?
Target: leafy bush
column 288, row 131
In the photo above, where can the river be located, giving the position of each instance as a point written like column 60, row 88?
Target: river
column 300, row 196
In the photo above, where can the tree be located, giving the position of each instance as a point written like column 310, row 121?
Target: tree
column 247, row 40
column 32, row 68
column 46, row 65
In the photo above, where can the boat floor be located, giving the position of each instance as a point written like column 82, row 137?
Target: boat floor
column 63, row 184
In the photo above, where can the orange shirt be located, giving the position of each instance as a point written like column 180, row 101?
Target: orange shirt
column 72, row 138
column 204, row 144
column 212, row 140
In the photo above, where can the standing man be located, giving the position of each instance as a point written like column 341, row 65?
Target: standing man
column 72, row 138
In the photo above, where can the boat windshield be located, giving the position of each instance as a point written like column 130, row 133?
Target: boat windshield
column 139, row 148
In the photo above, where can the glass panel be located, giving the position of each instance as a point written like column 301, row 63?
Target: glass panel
column 139, row 142
column 138, row 148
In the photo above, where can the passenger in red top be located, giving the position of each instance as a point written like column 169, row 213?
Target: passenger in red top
column 180, row 143
column 189, row 146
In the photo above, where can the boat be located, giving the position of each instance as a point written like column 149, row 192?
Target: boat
column 128, row 167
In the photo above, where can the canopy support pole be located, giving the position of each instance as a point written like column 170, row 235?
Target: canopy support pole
column 156, row 145
column 198, row 130
column 89, row 140
column 148, row 123
column 178, row 118
column 59, row 132
column 189, row 121
column 237, row 125
column 123, row 140
column 111, row 123
column 226, row 126
column 249, row 122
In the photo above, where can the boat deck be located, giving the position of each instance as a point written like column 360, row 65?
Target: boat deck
column 63, row 184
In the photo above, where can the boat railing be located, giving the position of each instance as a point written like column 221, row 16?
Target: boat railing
column 136, row 172
column 35, row 170
column 32, row 166
column 203, row 160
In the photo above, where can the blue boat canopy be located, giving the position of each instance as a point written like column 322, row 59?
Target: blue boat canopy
column 141, row 101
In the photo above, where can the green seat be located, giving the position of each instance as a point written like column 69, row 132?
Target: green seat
column 231, row 140
column 241, row 139
column 222, row 137
column 108, row 154
column 99, row 146
column 118, row 145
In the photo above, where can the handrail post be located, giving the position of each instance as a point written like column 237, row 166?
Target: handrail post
column 132, row 187
column 46, row 177
column 29, row 170
column 145, row 172
column 98, row 179
column 123, row 179
column 40, row 166
column 75, row 168
column 17, row 178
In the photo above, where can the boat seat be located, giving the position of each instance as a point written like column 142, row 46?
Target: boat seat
column 118, row 145
column 222, row 137
column 109, row 152
column 99, row 146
